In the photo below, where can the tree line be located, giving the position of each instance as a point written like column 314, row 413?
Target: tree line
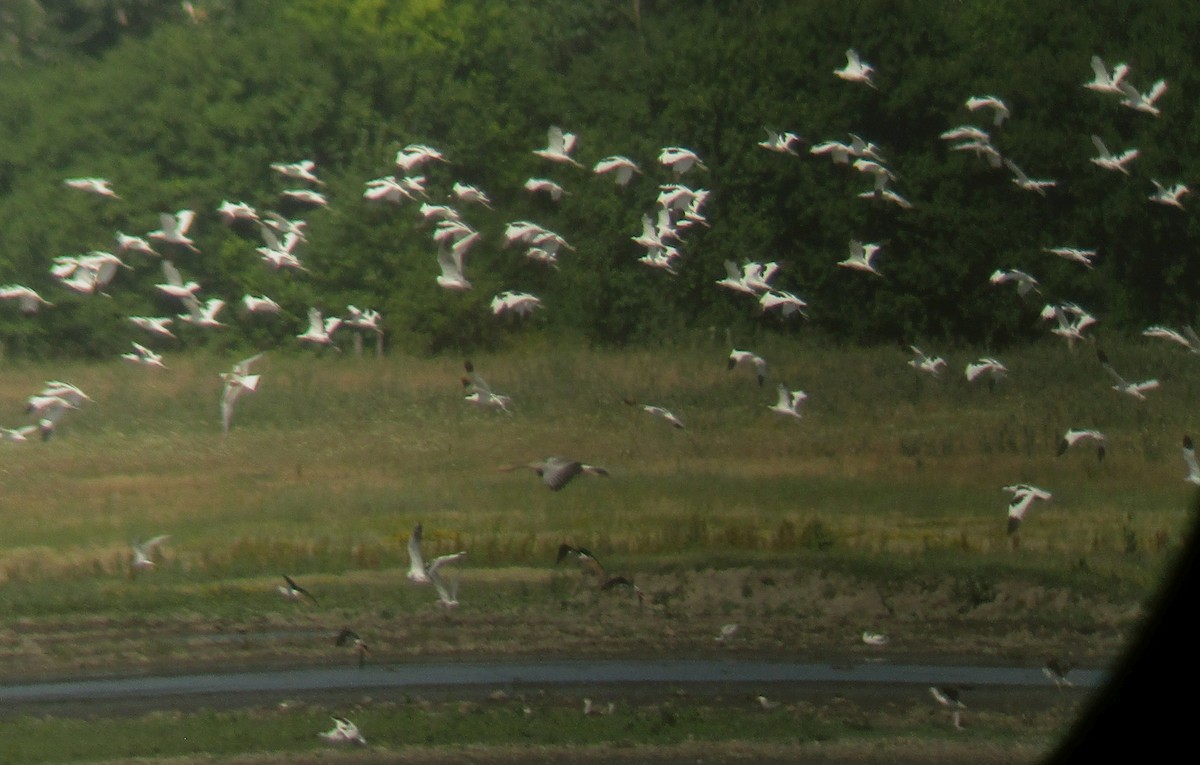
column 183, row 110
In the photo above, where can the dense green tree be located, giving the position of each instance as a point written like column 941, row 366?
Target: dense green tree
column 183, row 111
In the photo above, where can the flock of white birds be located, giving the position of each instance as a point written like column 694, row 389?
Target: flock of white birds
column 678, row 208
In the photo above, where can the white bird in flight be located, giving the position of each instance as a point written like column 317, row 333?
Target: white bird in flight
column 470, row 194
column 1077, row 254
column 783, row 301
column 481, row 393
column 680, row 160
column 450, row 261
column 143, row 553
column 236, row 382
column 1171, row 197
column 993, row 369
column 1105, row 82
column 343, row 732
column 306, row 196
column 1025, row 283
column 174, row 285
column 1024, row 495
column 967, row 133
column 155, row 325
column 856, row 70
column 414, row 155
column 1072, row 320
column 203, row 315
column 1187, row 338
column 231, row 212
column 781, row 143
column 28, row 299
column 737, row 357
column 99, row 186
column 659, row 411
column 789, row 402
column 923, row 362
column 420, row 572
column 129, row 243
column 304, row 170
column 1023, row 181
column 1136, row 390
column 545, row 186
column 143, row 356
column 559, row 145
column 1143, row 102
column 1077, row 435
column 1000, row 110
column 174, row 229
column 861, row 257
column 320, row 331
column 520, row 303
column 260, row 304
column 1110, row 161
column 622, row 168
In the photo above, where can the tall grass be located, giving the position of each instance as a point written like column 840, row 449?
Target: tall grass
column 333, row 460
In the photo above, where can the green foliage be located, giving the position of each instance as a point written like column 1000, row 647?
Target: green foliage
column 186, row 112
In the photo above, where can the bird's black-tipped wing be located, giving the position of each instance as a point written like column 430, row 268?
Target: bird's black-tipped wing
column 297, row 588
column 1062, row 448
column 563, row 551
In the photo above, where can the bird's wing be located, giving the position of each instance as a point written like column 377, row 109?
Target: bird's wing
column 315, row 324
column 184, row 220
column 149, row 546
column 1156, row 90
column 555, row 141
column 785, row 397
column 416, row 561
column 171, row 273
column 1016, row 171
column 1121, row 381
column 1100, row 147
column 556, row 472
column 1130, row 92
column 447, row 592
column 445, row 560
column 450, row 261
column 1189, row 457
column 243, row 366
